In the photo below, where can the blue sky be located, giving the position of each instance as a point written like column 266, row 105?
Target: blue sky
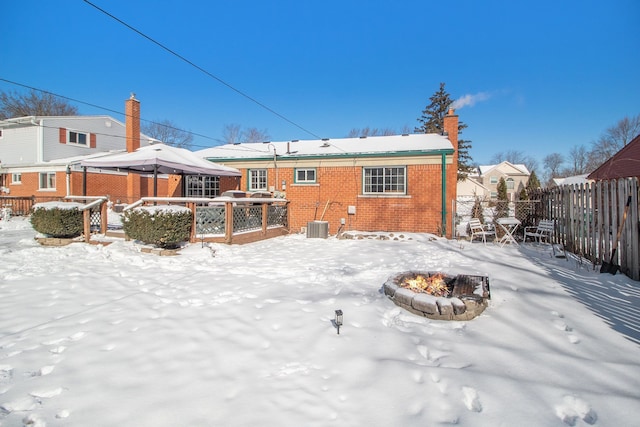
column 546, row 75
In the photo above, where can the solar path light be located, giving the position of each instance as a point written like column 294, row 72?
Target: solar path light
column 338, row 320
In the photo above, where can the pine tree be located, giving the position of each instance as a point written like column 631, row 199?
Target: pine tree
column 533, row 183
column 432, row 121
column 502, row 189
column 502, row 205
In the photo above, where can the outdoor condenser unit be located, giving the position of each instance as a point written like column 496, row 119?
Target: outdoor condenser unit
column 318, row 229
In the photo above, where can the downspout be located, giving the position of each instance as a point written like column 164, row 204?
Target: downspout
column 40, row 145
column 155, row 180
column 84, row 180
column 444, row 194
column 68, row 179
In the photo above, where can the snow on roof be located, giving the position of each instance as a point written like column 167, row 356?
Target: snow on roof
column 569, row 180
column 331, row 147
column 484, row 169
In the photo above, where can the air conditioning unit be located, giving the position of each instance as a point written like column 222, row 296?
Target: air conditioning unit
column 318, row 229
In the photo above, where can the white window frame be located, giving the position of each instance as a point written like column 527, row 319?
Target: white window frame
column 493, row 180
column 257, row 180
column 202, row 186
column 16, row 177
column 306, row 179
column 48, row 179
column 74, row 134
column 384, row 180
column 510, row 183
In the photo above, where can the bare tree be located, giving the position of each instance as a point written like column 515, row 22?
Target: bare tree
column 552, row 163
column 613, row 139
column 167, row 132
column 232, row 133
column 578, row 161
column 255, row 135
column 515, row 157
column 33, row 103
column 368, row 131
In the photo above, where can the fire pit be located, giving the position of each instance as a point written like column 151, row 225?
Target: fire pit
column 439, row 296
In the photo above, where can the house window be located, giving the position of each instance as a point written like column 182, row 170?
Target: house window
column 493, row 180
column 16, row 178
column 305, row 176
column 202, row 186
column 494, row 194
column 384, row 180
column 510, row 184
column 257, row 179
column 77, row 138
column 47, row 180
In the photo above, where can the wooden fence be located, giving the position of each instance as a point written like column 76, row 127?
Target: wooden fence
column 588, row 218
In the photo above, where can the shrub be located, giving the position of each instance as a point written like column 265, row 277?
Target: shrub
column 61, row 220
column 162, row 226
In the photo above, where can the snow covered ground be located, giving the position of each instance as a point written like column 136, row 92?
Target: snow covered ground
column 94, row 335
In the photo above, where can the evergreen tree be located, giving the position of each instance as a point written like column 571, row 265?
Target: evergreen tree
column 432, row 121
column 533, row 183
column 502, row 190
column 502, row 205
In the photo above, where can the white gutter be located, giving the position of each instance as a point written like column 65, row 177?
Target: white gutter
column 40, row 144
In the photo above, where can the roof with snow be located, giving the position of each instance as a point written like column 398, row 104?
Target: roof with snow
column 571, row 180
column 413, row 144
column 505, row 167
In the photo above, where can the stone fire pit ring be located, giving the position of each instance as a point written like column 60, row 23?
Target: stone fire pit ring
column 467, row 298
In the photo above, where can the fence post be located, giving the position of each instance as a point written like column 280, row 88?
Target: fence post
column 86, row 214
column 265, row 212
column 228, row 229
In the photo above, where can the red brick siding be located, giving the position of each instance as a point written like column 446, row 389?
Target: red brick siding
column 338, row 188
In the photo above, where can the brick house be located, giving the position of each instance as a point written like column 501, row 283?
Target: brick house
column 383, row 183
column 41, row 157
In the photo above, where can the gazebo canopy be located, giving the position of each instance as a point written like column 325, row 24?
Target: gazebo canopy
column 160, row 159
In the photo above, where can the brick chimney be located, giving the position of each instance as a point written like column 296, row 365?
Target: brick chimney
column 450, row 126
column 132, row 123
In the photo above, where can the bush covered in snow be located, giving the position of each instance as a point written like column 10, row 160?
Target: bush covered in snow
column 61, row 220
column 162, row 226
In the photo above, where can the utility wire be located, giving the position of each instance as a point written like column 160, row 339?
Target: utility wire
column 110, row 110
column 250, row 98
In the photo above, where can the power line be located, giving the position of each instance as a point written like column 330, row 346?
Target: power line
column 112, row 111
column 238, row 91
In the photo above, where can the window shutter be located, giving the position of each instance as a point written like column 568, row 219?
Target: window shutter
column 63, row 136
column 92, row 140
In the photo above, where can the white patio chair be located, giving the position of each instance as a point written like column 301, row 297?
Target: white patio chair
column 479, row 229
column 540, row 232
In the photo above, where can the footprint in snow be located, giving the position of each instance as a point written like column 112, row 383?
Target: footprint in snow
column 471, row 399
column 573, row 409
column 562, row 326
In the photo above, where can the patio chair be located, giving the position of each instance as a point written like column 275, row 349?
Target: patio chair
column 542, row 231
column 479, row 229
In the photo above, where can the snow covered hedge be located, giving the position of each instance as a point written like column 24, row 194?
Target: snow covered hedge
column 57, row 219
column 162, row 226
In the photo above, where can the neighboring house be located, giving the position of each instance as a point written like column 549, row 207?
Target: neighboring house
column 383, row 183
column 40, row 157
column 472, row 188
column 624, row 164
column 516, row 177
column 572, row 180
